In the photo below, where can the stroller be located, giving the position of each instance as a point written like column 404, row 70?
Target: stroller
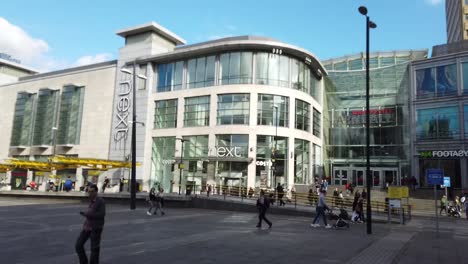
column 341, row 219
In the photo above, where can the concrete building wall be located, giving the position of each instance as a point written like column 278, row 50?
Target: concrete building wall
column 97, row 109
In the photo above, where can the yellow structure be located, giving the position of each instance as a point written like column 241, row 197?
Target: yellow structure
column 395, row 192
column 61, row 162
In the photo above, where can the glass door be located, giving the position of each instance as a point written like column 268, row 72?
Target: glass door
column 340, row 176
column 358, row 177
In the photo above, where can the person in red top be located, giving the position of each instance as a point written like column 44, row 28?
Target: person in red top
column 92, row 227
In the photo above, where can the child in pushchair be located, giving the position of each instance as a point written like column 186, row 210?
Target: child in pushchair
column 340, row 219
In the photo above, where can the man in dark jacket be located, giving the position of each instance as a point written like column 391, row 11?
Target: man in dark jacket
column 92, row 227
column 263, row 203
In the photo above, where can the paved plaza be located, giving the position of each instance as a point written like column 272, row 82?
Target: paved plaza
column 45, row 232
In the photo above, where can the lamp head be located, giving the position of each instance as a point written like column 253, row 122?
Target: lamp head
column 126, row 71
column 363, row 10
column 372, row 24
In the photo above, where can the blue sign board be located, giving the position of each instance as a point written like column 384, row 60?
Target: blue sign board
column 435, row 177
column 446, row 181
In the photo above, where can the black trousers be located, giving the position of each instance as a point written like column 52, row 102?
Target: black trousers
column 261, row 216
column 95, row 236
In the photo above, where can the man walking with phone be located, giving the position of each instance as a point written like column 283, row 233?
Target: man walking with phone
column 92, row 227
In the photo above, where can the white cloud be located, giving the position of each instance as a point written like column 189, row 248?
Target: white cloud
column 85, row 60
column 434, row 2
column 34, row 52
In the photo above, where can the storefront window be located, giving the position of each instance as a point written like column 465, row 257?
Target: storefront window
column 465, row 77
column 162, row 162
column 266, row 113
column 232, row 146
column 197, row 111
column 425, row 83
column 165, row 115
column 438, row 123
column 301, row 162
column 302, row 115
column 196, row 147
column 317, row 159
column 233, row 109
column 270, row 162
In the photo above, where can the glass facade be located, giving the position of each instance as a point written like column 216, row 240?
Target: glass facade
column 344, row 121
column 71, row 111
column 271, row 162
column 162, row 162
column 438, row 123
column 302, row 115
column 267, row 114
column 45, row 117
column 301, row 162
column 316, row 129
column 200, row 72
column 235, row 68
column 165, row 114
column 22, row 120
column 233, row 109
column 170, row 76
column 437, row 81
column 197, row 111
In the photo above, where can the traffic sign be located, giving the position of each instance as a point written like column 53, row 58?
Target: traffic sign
column 434, row 176
column 446, row 182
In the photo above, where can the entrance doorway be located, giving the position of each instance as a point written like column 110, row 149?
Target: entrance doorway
column 357, row 176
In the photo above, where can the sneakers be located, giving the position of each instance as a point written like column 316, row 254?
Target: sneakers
column 270, row 226
column 314, row 225
column 162, row 213
column 328, row 226
column 148, row 213
column 258, row 226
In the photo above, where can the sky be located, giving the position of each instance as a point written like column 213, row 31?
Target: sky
column 55, row 34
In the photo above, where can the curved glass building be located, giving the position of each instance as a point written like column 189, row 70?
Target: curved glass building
column 389, row 117
column 237, row 112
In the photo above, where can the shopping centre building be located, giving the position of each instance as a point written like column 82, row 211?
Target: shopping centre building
column 238, row 112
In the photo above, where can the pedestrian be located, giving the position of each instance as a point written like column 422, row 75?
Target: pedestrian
column 151, row 201
column 443, row 204
column 466, row 208
column 104, row 184
column 251, row 192
column 263, row 203
column 92, row 227
column 208, row 191
column 360, row 208
column 336, row 195
column 357, row 195
column 159, row 201
column 364, row 194
column 320, row 211
column 68, row 184
column 414, row 182
column 310, row 196
column 341, row 199
column 121, row 184
column 280, row 191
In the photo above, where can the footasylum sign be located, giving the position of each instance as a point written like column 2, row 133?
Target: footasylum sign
column 444, row 153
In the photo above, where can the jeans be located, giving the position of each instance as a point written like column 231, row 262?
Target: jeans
column 320, row 212
column 95, row 236
column 261, row 216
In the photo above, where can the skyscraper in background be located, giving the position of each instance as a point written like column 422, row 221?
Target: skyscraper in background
column 457, row 20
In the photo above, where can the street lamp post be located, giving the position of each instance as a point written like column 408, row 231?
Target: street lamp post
column 133, row 122
column 369, row 25
column 276, row 147
column 181, row 165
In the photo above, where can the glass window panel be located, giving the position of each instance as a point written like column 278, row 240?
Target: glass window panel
column 234, row 68
column 177, row 77
column 165, row 115
column 425, row 83
column 302, row 115
column 246, row 67
column 261, row 68
column 200, row 72
column 446, row 80
column 317, row 123
column 191, row 73
column 273, row 69
column 233, row 109
column 210, row 71
column 438, row 123
column 284, row 71
column 197, row 111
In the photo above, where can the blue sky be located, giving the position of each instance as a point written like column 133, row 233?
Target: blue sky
column 51, row 35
